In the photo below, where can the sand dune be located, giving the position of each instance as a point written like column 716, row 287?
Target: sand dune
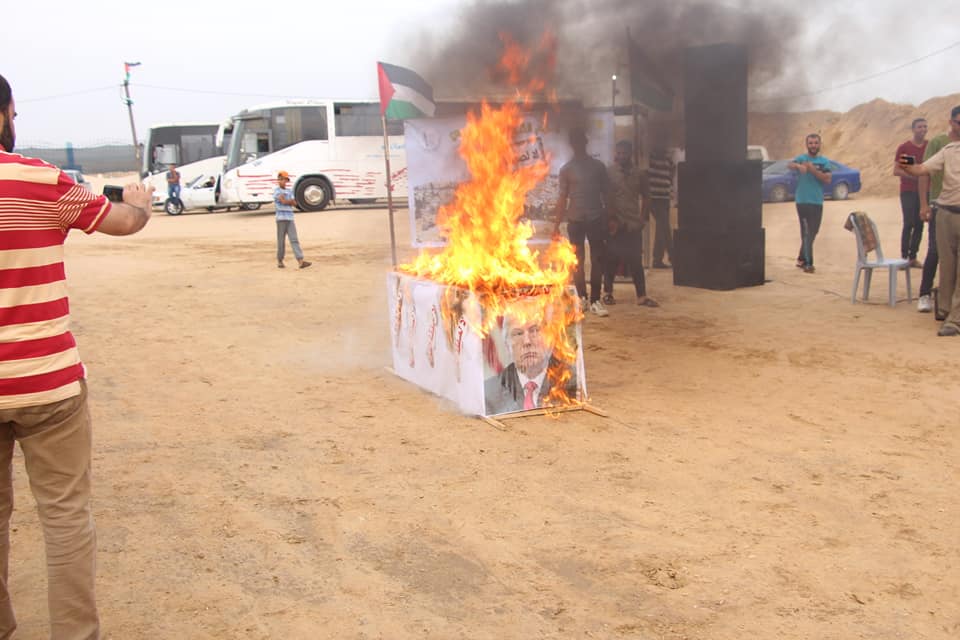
column 866, row 137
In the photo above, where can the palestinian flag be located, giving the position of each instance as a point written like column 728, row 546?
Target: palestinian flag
column 403, row 94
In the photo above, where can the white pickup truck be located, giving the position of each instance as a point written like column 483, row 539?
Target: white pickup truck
column 757, row 152
column 78, row 178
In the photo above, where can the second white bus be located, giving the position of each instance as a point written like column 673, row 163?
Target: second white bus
column 196, row 148
column 332, row 149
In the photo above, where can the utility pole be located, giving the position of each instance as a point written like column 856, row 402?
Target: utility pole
column 126, row 90
column 613, row 93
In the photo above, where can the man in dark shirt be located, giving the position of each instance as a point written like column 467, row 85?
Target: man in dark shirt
column 584, row 204
column 527, row 382
column 912, row 231
column 628, row 184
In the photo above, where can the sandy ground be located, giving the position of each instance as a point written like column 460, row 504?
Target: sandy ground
column 778, row 462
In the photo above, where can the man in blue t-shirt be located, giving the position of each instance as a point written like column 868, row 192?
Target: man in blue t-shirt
column 814, row 174
column 283, row 200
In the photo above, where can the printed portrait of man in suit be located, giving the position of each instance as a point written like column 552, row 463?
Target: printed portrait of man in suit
column 527, row 381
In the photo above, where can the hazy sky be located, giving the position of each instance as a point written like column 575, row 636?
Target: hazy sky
column 203, row 60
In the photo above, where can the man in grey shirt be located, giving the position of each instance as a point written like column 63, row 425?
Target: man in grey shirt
column 585, row 204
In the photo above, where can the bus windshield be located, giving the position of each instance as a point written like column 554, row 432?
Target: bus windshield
column 262, row 131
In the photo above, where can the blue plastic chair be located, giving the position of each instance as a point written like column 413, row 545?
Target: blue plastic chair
column 892, row 265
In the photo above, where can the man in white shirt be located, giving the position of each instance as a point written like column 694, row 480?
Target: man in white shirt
column 946, row 160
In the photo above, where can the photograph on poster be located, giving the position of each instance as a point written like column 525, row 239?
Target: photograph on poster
column 435, row 168
column 522, row 370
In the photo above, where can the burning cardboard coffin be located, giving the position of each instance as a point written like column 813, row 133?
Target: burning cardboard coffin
column 490, row 355
column 488, row 320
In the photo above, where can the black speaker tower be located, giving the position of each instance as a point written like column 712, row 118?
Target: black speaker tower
column 719, row 241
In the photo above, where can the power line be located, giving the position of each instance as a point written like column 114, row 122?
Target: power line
column 226, row 93
column 68, row 95
column 283, row 96
column 844, row 85
column 162, row 88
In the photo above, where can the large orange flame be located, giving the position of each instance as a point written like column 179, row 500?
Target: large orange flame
column 487, row 249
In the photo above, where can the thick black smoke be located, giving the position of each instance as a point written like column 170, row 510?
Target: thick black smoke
column 591, row 44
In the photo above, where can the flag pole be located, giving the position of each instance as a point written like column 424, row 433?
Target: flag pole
column 386, row 159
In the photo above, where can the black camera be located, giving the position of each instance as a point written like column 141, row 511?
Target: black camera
column 113, row 193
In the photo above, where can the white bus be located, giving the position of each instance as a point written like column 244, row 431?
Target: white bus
column 196, row 148
column 332, row 149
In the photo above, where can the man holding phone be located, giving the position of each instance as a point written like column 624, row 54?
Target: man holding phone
column 43, row 391
column 946, row 160
column 814, row 172
column 911, row 152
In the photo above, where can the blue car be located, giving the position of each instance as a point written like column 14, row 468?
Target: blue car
column 780, row 182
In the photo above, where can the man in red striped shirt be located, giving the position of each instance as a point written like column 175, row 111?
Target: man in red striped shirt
column 43, row 393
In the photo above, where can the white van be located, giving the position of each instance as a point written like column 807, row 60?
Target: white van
column 757, row 152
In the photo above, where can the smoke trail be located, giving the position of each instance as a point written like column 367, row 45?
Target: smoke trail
column 592, row 43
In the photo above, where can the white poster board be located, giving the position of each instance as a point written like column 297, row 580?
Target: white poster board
column 435, row 347
column 435, row 168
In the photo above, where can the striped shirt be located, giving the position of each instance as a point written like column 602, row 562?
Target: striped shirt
column 660, row 175
column 39, row 204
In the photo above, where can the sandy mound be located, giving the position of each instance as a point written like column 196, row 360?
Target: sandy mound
column 865, row 137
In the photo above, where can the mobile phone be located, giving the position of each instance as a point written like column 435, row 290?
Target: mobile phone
column 113, row 193
column 907, row 159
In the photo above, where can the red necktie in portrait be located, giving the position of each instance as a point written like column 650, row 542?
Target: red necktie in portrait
column 528, row 402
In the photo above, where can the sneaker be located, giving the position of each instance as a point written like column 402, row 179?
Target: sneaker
column 280, row 265
column 597, row 309
column 925, row 304
column 304, row 264
column 608, row 299
column 809, row 269
column 801, row 263
column 948, row 330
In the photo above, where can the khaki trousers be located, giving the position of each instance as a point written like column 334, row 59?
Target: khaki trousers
column 56, row 443
column 948, row 250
